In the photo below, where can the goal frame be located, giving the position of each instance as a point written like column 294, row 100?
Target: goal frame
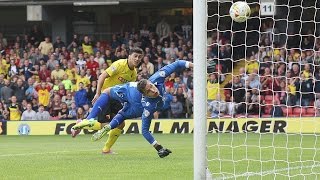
column 200, row 91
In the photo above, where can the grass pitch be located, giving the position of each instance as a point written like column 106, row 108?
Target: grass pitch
column 62, row 157
column 231, row 156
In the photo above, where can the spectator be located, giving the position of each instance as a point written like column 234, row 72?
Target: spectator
column 92, row 90
column 42, row 114
column 6, row 92
column 252, row 65
column 57, row 73
column 68, row 99
column 3, row 40
column 159, row 64
column 43, row 94
column 81, row 96
column 83, row 79
column 19, row 90
column 217, row 107
column 44, row 73
column 276, row 110
column 29, row 114
column 55, row 106
column 64, row 112
column 176, row 108
column 93, row 66
column 162, row 28
column 87, row 45
column 58, row 44
column 14, row 110
column 231, row 107
column 66, row 82
column 212, row 87
column 253, row 82
column 80, row 113
column 46, row 47
column 292, row 91
column 72, row 111
column 30, row 92
column 306, row 91
column 13, row 68
column 3, row 112
column 36, row 35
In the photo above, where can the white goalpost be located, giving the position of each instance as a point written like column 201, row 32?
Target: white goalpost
column 200, row 94
column 263, row 120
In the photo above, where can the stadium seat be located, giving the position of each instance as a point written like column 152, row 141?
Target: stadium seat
column 298, row 112
column 240, row 116
column 253, row 116
column 311, row 112
column 287, row 111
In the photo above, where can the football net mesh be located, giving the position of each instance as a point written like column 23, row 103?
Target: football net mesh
column 263, row 92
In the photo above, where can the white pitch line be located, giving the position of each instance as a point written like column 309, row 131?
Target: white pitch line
column 263, row 173
column 43, row 153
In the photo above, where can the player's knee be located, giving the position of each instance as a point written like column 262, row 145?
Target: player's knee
column 107, row 91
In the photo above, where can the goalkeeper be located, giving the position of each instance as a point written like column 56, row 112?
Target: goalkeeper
column 120, row 72
column 152, row 101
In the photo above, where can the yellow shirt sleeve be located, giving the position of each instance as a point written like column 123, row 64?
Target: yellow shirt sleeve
column 113, row 69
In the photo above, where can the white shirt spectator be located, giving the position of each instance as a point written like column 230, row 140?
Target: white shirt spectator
column 28, row 115
column 42, row 114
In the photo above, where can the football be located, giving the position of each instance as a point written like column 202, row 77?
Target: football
column 240, row 11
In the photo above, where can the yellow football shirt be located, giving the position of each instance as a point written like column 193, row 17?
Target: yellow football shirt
column 15, row 114
column 85, row 80
column 212, row 90
column 4, row 67
column 119, row 73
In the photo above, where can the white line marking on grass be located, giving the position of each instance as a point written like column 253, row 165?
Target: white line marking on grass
column 43, row 153
column 263, row 173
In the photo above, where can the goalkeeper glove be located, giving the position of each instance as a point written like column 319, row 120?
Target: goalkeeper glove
column 163, row 152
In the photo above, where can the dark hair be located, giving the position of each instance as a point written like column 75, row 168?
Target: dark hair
column 136, row 50
column 142, row 85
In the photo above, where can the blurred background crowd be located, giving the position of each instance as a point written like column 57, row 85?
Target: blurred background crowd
column 42, row 77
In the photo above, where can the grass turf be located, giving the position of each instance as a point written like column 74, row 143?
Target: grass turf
column 62, row 157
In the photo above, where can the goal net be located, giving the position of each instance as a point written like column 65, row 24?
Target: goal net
column 264, row 91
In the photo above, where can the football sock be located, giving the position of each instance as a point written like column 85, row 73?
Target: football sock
column 100, row 104
column 96, row 126
column 113, row 136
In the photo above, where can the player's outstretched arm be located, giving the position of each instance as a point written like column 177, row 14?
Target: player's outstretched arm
column 146, row 121
column 165, row 71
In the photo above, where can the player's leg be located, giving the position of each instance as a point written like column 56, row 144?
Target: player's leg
column 126, row 112
column 105, row 129
column 101, row 103
column 111, row 111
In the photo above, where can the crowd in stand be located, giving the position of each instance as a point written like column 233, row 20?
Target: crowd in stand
column 278, row 80
column 44, row 79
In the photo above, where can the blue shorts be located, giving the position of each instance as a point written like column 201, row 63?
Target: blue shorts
column 131, row 108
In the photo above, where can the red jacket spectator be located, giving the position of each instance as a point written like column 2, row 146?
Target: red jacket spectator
column 93, row 66
column 44, row 73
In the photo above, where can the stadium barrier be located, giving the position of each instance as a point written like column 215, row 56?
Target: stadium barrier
column 241, row 125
